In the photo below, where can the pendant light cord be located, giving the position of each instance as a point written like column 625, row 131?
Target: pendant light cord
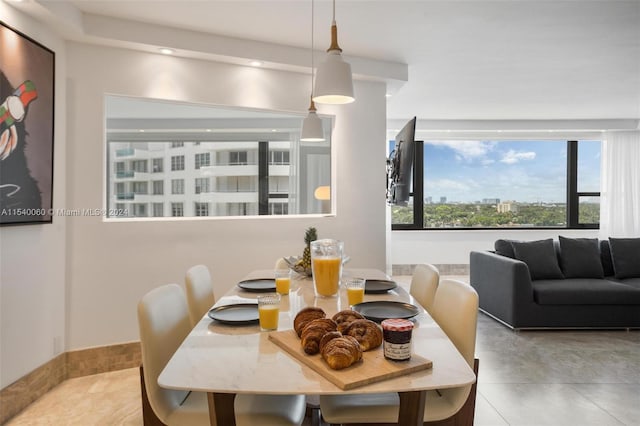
column 334, row 13
column 312, row 68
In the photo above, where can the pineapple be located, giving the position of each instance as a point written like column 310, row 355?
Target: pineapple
column 310, row 235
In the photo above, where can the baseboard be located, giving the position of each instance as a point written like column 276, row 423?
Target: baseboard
column 85, row 362
column 19, row 394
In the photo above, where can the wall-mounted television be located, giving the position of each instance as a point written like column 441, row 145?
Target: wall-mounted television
column 400, row 165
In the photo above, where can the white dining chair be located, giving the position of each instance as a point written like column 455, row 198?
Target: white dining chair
column 424, row 283
column 163, row 320
column 455, row 309
column 199, row 289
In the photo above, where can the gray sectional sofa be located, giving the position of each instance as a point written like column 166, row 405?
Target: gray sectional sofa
column 567, row 283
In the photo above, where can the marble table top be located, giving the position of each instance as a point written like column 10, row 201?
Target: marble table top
column 241, row 359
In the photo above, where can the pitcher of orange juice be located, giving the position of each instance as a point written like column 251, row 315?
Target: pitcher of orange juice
column 326, row 266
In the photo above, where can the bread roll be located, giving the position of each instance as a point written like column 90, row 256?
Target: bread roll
column 366, row 332
column 305, row 316
column 346, row 317
column 341, row 352
column 313, row 333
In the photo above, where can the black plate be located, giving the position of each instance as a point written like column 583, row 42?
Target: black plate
column 258, row 286
column 239, row 314
column 379, row 286
column 384, row 309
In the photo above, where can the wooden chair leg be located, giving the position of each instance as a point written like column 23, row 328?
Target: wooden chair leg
column 149, row 418
column 466, row 415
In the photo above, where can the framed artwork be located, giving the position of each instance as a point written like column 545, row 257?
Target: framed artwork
column 26, row 129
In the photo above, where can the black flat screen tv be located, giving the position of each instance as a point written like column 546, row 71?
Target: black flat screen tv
column 400, row 166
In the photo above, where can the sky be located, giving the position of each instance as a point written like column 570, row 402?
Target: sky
column 523, row 171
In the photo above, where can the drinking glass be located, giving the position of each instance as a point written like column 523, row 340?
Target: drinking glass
column 355, row 290
column 269, row 311
column 283, row 281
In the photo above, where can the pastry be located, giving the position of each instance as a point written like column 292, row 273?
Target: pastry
column 327, row 337
column 366, row 332
column 346, row 317
column 305, row 316
column 313, row 333
column 342, row 352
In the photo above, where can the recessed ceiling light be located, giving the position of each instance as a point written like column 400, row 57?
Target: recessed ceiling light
column 166, row 51
column 141, row 130
column 274, row 130
column 208, row 130
column 256, row 63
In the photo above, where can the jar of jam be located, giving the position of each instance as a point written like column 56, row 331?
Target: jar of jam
column 397, row 339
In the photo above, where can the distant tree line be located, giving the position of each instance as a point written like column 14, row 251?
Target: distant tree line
column 487, row 216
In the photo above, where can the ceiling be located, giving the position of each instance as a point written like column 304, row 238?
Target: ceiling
column 466, row 60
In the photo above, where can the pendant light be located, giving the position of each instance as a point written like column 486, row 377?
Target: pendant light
column 312, row 125
column 334, row 83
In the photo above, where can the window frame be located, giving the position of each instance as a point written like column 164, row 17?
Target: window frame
column 572, row 202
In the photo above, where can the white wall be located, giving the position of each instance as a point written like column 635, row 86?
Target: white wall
column 453, row 247
column 112, row 264
column 32, row 257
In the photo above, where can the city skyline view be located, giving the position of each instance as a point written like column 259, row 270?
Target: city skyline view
column 468, row 171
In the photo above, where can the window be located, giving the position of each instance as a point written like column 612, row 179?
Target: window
column 177, row 186
column 139, row 210
column 278, row 208
column 177, row 210
column 504, row 184
column 140, row 188
column 139, row 166
column 177, row 162
column 158, row 187
column 239, row 209
column 238, row 158
column 201, row 209
column 202, row 160
column 158, row 209
column 227, row 163
column 279, row 157
column 158, row 165
column 202, row 185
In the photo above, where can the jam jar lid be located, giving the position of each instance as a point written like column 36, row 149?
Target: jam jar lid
column 397, row 324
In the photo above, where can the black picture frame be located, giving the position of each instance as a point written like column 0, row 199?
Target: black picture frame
column 27, row 95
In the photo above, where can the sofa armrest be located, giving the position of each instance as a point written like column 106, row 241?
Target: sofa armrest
column 503, row 285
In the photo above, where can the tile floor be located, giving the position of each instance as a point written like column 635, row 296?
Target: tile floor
column 536, row 378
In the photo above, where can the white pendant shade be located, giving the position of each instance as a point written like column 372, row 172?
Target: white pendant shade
column 312, row 128
column 334, row 84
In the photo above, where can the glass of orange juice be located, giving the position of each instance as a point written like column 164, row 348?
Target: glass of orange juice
column 326, row 266
column 283, row 281
column 268, row 311
column 355, row 290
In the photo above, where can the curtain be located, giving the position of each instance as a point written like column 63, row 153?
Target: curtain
column 620, row 185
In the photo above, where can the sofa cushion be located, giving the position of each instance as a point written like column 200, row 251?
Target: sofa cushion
column 540, row 257
column 605, row 257
column 584, row 291
column 580, row 258
column 631, row 282
column 625, row 253
column 504, row 248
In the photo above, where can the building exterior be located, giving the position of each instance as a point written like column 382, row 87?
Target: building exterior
column 175, row 179
column 507, row 206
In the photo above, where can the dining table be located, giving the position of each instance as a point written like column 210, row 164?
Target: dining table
column 225, row 359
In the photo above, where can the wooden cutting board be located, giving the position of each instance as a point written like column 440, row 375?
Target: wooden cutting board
column 374, row 367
